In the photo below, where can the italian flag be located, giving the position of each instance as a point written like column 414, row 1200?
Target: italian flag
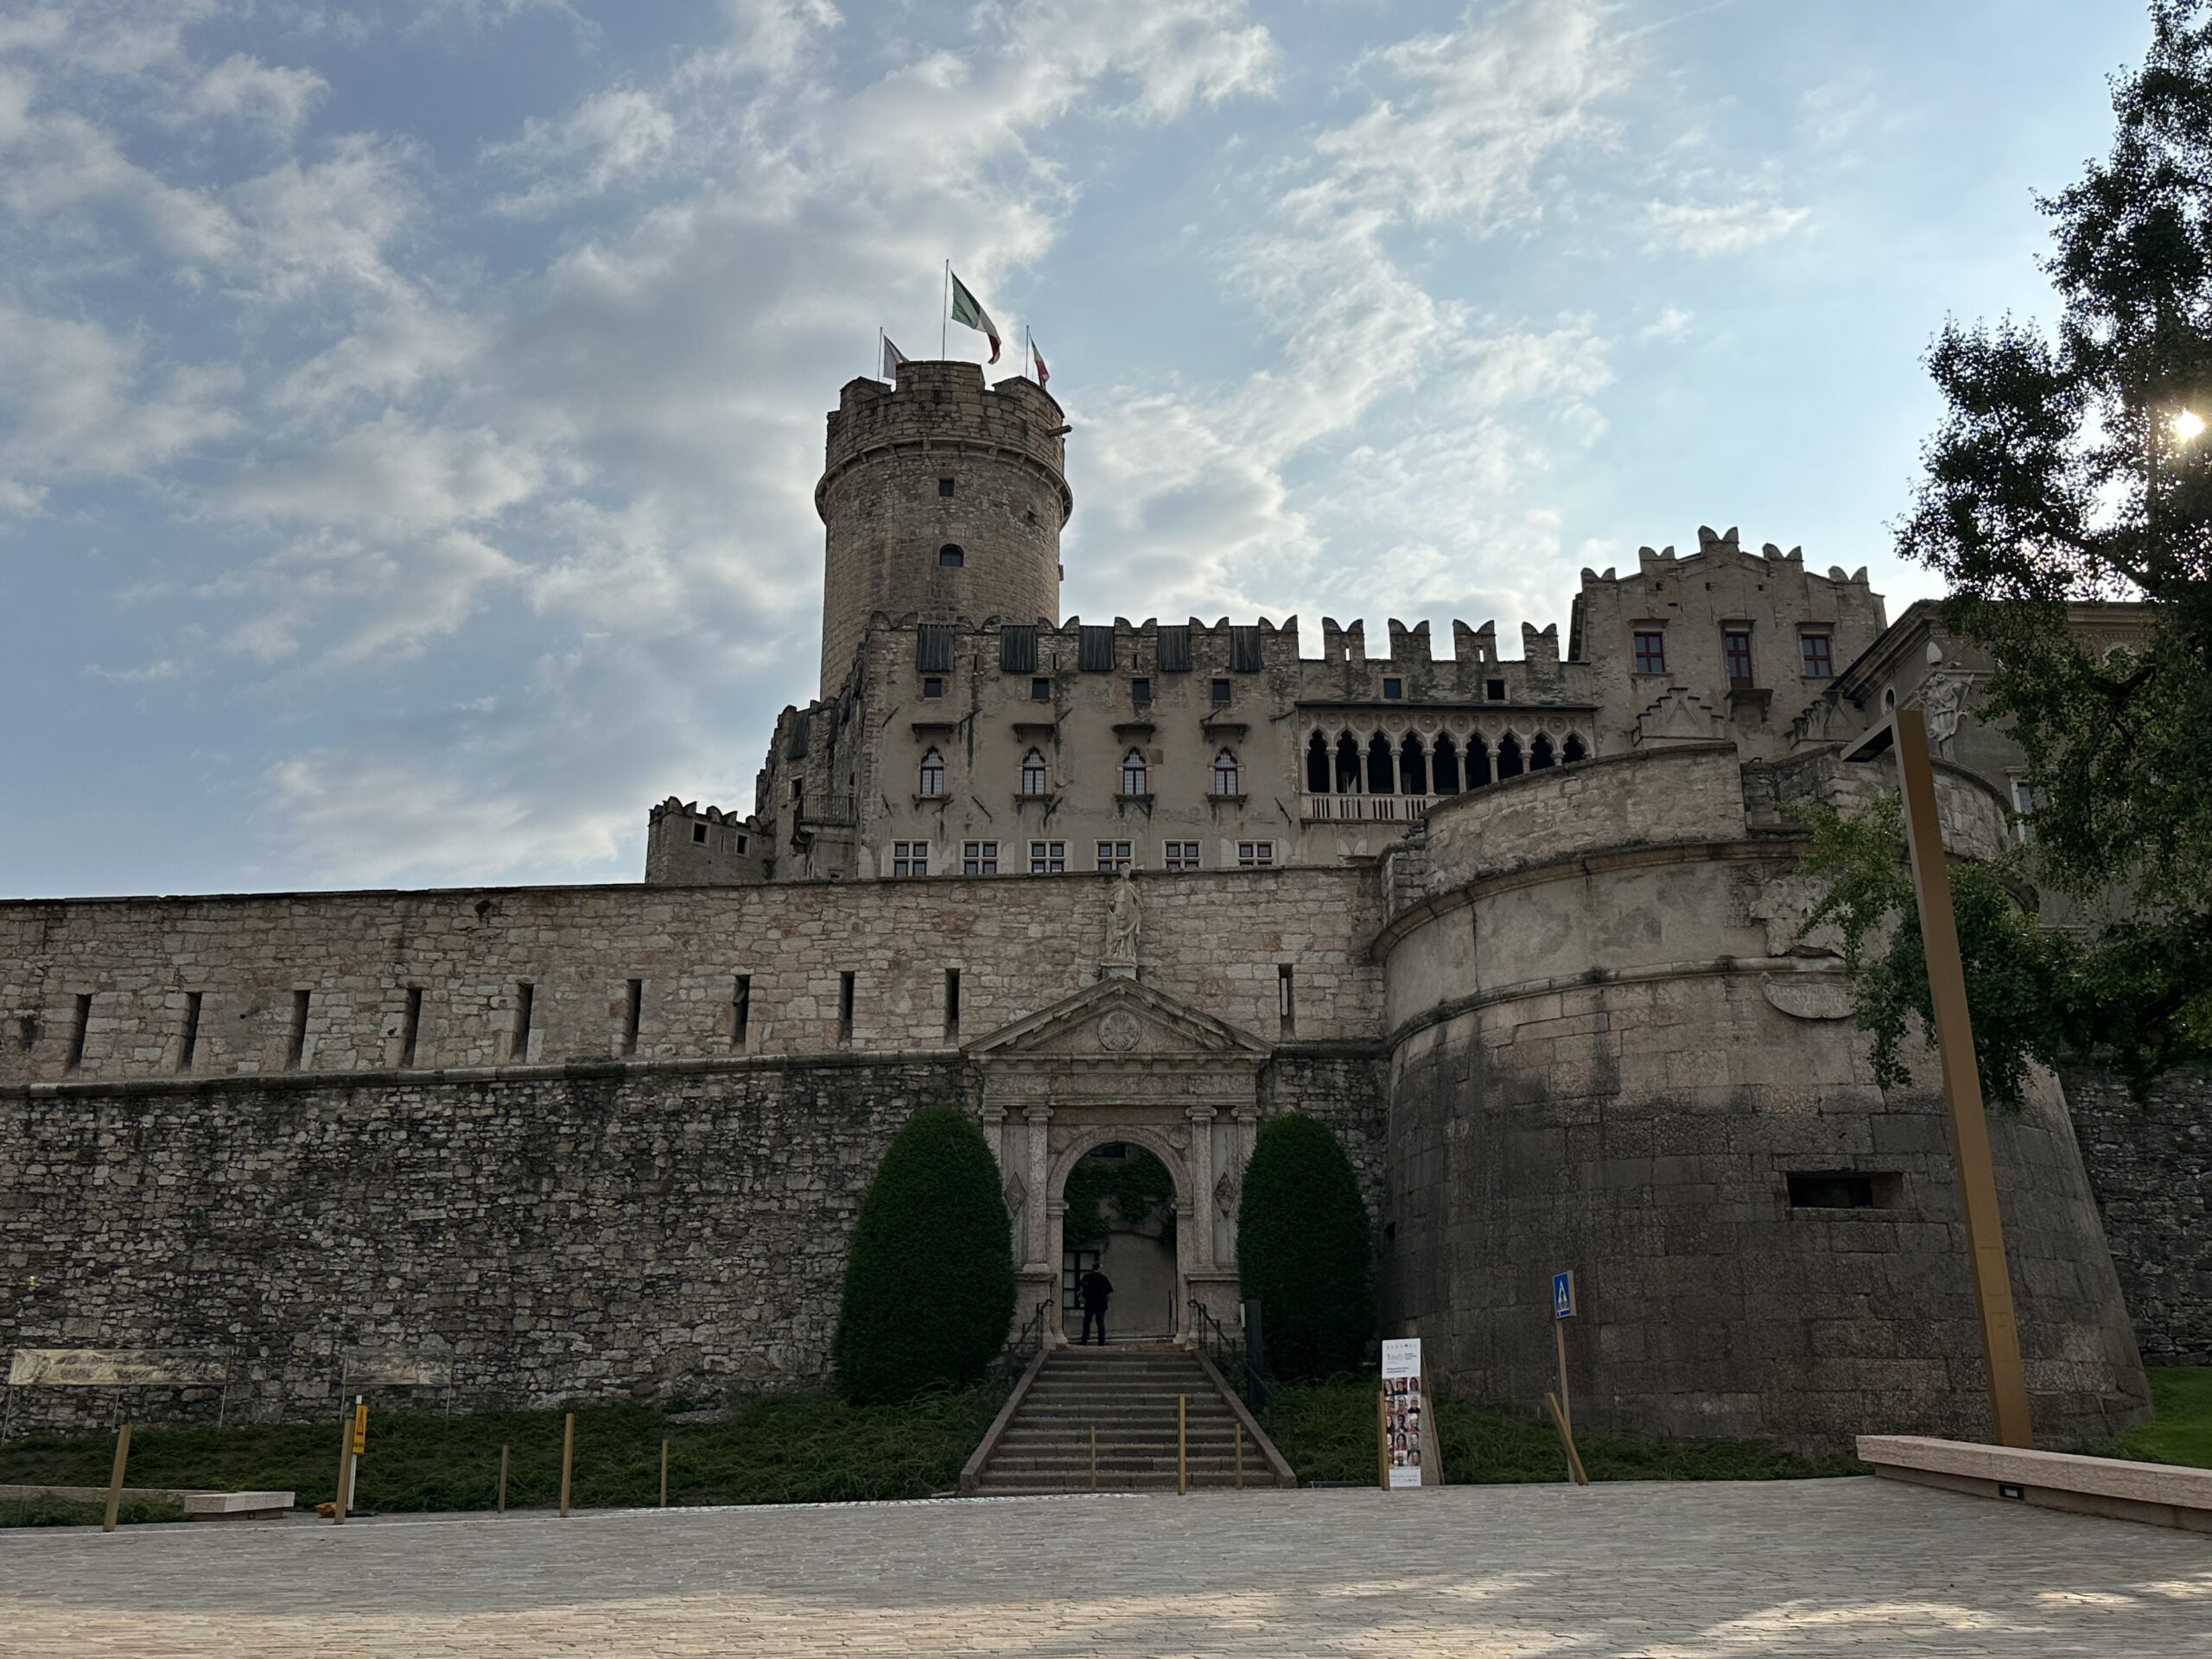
column 968, row 312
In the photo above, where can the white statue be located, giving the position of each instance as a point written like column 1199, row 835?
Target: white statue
column 1942, row 700
column 1124, row 921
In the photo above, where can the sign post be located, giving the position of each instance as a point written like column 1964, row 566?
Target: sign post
column 1562, row 1411
column 1410, row 1452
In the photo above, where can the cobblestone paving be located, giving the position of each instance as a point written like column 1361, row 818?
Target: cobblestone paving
column 1856, row 1567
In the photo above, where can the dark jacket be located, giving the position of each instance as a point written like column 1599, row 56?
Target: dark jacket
column 1092, row 1290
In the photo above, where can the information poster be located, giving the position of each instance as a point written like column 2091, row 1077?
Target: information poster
column 1408, row 1436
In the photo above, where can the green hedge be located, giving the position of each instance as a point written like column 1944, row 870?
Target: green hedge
column 929, row 1283
column 1304, row 1250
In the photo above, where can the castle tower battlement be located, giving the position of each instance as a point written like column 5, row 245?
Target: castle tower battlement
column 940, row 497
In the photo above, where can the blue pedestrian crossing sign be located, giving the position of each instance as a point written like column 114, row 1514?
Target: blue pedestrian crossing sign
column 1563, row 1295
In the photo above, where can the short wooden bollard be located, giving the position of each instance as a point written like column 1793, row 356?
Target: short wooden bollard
column 1094, row 1458
column 344, row 1467
column 1182, row 1446
column 503, row 1480
column 568, row 1458
column 1240, row 1454
column 1381, row 1442
column 664, row 1474
column 115, row 1477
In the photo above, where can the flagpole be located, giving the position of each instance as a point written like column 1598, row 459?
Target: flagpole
column 1029, row 349
column 944, row 315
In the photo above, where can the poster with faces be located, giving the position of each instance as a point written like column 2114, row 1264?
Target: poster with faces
column 1409, row 1448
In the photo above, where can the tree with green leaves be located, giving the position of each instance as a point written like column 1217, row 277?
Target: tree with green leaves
column 1304, row 1250
column 929, row 1280
column 2073, row 465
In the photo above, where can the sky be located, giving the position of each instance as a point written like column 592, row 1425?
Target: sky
column 409, row 413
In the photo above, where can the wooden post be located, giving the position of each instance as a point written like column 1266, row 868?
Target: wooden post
column 344, row 1467
column 663, row 1473
column 1947, row 995
column 1382, row 1441
column 1567, row 1438
column 1240, row 1454
column 1094, row 1456
column 1182, row 1448
column 503, row 1479
column 1566, row 1406
column 568, row 1458
column 115, row 1477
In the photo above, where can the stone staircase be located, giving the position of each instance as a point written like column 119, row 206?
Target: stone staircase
column 1041, row 1442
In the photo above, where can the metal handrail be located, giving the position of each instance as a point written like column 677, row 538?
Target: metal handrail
column 1028, row 1341
column 1226, row 1349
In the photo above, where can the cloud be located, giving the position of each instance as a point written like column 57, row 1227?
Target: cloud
column 241, row 88
column 77, row 401
column 1710, row 229
column 610, row 136
column 393, row 474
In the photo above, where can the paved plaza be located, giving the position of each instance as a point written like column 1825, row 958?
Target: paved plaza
column 1861, row 1567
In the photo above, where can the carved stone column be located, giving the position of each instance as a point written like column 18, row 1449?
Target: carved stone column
column 1199, row 1162
column 1042, row 1197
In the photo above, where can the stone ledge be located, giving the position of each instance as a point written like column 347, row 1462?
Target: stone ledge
column 2160, row 1494
column 235, row 1506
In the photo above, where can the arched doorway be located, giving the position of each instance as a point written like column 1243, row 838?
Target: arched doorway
column 1118, row 1217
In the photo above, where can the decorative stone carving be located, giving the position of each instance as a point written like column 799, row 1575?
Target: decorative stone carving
column 1228, row 1193
column 1124, row 923
column 1677, row 717
column 1782, row 905
column 1119, row 1031
column 1808, row 996
column 1943, row 696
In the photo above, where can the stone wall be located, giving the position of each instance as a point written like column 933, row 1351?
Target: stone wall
column 2151, row 1167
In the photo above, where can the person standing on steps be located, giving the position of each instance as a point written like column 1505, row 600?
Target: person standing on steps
column 1093, row 1290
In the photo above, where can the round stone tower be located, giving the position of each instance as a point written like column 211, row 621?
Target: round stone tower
column 942, row 497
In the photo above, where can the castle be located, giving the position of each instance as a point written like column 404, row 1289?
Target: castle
column 1523, row 931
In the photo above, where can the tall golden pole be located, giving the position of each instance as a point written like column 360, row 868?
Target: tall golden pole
column 1947, row 995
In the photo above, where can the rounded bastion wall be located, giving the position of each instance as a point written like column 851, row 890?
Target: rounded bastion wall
column 942, row 462
column 1609, row 1051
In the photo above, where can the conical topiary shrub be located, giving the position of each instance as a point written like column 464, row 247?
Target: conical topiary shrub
column 1303, row 1249
column 929, row 1282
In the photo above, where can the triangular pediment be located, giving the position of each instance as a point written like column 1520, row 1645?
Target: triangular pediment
column 1115, row 1020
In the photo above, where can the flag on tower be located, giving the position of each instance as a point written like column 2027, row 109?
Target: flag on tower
column 1044, row 374
column 893, row 357
column 967, row 311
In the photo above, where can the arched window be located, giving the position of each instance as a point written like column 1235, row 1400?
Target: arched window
column 1317, row 765
column 1134, row 776
column 1539, row 752
column 1347, row 764
column 1478, row 762
column 932, row 781
column 1509, row 757
column 1412, row 765
column 1033, row 774
column 1447, row 781
column 1382, row 777
column 950, row 557
column 1226, row 781
column 1573, row 751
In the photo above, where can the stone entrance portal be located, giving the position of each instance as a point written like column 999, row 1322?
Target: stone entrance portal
column 1119, row 1062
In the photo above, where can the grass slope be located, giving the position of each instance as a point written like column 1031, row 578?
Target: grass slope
column 2182, row 1431
column 788, row 1449
column 61, row 1512
column 1327, row 1430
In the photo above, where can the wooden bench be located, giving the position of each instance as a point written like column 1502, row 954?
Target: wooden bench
column 2160, row 1494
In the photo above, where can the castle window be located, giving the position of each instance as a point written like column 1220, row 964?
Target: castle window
column 1819, row 654
column 1048, row 857
column 741, row 843
column 1447, row 781
column 525, row 1006
column 1509, row 757
column 1041, row 691
column 934, row 645
column 1844, row 1190
column 952, row 1001
column 1225, row 778
column 1244, row 656
column 1113, row 856
column 1094, row 648
column 909, row 858
column 950, row 557
column 2023, row 809
column 1412, row 765
column 1220, row 692
column 1033, row 774
column 1182, row 856
column 1540, row 753
column 188, row 1038
column 1382, row 776
column 740, row 1011
column 634, row 1013
column 699, row 834
column 78, row 1030
column 1494, row 689
column 1141, row 692
column 932, row 782
column 1575, row 750
column 845, row 1008
column 1287, row 998
column 1137, row 778
column 1478, row 762
column 1347, row 765
column 944, row 489
column 1650, row 652
column 1393, row 690
column 1256, row 855
column 980, row 858
column 932, row 686
column 1172, row 645
column 410, row 1029
column 1018, row 648
column 295, row 1047
column 1736, row 654
column 1317, row 765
